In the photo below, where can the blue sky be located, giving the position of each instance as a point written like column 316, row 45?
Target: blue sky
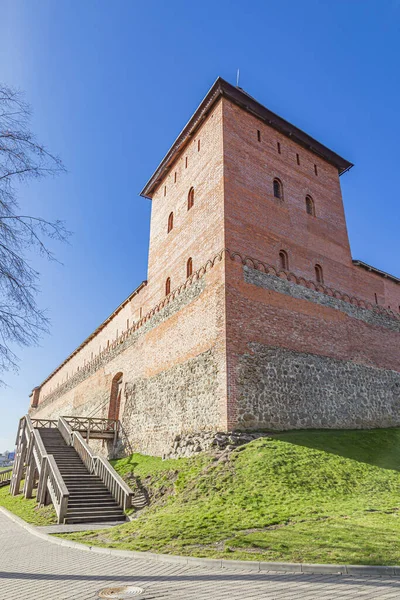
column 113, row 83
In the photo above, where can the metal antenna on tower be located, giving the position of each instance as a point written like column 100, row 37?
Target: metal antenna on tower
column 237, row 78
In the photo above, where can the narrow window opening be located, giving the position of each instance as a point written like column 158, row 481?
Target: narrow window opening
column 115, row 396
column 175, row 177
column 189, row 267
column 168, row 286
column 165, row 190
column 258, row 135
column 283, row 260
column 319, row 276
column 278, row 190
column 298, row 159
column 310, row 207
column 376, row 299
column 127, row 323
column 279, row 147
column 316, row 169
column 186, row 162
column 190, row 201
column 198, row 145
column 170, row 222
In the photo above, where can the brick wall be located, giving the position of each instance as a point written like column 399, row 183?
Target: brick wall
column 199, row 232
column 260, row 225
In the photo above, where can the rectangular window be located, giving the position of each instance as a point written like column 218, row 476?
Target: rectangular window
column 315, row 169
column 298, row 159
column 376, row 299
column 175, row 177
column 165, row 190
column 279, row 147
column 198, row 145
column 258, row 135
column 186, row 162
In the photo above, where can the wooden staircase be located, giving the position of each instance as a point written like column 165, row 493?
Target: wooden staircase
column 53, row 456
column 89, row 499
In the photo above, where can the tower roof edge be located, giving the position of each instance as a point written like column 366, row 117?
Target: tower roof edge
column 222, row 88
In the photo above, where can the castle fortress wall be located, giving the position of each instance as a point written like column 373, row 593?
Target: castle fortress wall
column 173, row 369
column 240, row 344
column 298, row 358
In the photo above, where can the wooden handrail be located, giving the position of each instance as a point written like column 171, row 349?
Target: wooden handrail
column 44, row 423
column 65, row 430
column 115, row 484
column 83, row 450
column 58, row 490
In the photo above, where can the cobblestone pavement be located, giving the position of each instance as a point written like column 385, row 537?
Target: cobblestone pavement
column 33, row 568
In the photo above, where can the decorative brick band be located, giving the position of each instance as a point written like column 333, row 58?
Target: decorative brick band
column 259, row 265
column 282, row 286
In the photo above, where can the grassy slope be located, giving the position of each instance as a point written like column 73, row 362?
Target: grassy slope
column 311, row 496
column 27, row 509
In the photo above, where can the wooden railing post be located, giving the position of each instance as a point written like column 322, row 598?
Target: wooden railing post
column 19, row 458
column 88, row 430
column 42, row 486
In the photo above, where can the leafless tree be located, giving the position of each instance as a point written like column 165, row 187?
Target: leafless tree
column 22, row 158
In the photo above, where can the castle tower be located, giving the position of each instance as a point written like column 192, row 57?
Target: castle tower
column 254, row 314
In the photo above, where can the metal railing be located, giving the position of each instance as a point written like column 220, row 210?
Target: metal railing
column 113, row 482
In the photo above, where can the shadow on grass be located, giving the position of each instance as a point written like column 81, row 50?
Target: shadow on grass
column 377, row 447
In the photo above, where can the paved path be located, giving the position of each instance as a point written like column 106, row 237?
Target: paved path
column 35, row 569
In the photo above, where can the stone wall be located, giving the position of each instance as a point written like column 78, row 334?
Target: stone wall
column 281, row 389
column 180, row 399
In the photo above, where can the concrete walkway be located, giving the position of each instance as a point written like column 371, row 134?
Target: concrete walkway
column 34, row 568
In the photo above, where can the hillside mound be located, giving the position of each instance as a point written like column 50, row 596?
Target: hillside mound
column 307, row 496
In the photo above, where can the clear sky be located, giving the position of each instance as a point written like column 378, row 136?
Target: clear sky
column 113, row 82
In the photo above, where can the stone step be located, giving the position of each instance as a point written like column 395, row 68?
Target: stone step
column 92, row 511
column 94, row 519
column 89, row 497
column 92, row 504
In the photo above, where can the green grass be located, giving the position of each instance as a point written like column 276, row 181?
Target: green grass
column 27, row 509
column 309, row 496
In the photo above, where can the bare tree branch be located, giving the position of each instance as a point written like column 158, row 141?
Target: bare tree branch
column 21, row 158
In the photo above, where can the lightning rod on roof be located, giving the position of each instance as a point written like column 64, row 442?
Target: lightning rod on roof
column 237, row 77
